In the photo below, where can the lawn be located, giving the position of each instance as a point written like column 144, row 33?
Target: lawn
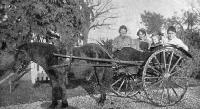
column 26, row 93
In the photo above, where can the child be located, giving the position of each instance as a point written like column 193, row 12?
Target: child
column 172, row 39
column 155, row 38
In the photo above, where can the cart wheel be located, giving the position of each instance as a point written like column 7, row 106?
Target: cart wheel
column 164, row 80
column 126, row 84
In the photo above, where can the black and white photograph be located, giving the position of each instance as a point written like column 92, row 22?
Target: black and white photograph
column 99, row 54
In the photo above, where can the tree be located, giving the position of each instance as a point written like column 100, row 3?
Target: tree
column 28, row 17
column 14, row 27
column 152, row 21
column 94, row 15
column 177, row 22
column 191, row 19
column 71, row 19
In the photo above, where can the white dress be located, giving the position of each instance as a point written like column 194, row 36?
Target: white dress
column 178, row 42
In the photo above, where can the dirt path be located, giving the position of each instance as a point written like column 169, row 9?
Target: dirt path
column 191, row 100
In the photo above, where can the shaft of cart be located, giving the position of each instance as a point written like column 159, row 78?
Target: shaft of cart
column 133, row 63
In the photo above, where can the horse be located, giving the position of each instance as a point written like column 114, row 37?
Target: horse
column 43, row 55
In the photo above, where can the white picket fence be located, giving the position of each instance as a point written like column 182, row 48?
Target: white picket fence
column 38, row 74
column 41, row 77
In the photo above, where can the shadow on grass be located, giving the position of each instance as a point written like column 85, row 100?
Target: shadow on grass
column 45, row 105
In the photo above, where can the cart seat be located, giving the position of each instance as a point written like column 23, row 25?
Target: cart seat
column 131, row 54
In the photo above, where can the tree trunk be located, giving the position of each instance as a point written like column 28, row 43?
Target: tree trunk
column 85, row 35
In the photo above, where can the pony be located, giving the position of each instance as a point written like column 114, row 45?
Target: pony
column 43, row 55
column 76, row 73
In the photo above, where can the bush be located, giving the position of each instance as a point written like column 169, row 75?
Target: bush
column 192, row 65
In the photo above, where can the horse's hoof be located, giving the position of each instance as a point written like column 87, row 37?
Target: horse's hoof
column 53, row 105
column 101, row 102
column 64, row 105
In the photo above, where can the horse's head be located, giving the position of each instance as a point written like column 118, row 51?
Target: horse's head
column 7, row 57
column 22, row 59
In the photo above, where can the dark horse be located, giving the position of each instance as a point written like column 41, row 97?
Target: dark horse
column 77, row 72
column 42, row 54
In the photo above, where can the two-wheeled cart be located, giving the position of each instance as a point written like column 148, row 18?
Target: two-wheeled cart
column 161, row 77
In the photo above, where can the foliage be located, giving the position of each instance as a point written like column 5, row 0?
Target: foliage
column 28, row 17
column 34, row 19
column 190, row 19
column 192, row 66
column 193, row 38
column 153, row 21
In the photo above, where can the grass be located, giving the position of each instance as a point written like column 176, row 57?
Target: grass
column 26, row 93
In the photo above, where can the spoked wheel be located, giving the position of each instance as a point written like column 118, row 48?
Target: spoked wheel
column 164, row 79
column 126, row 84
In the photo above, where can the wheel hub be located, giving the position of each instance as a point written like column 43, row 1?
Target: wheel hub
column 166, row 75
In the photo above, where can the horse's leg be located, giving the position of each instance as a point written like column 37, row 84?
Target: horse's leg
column 64, row 96
column 90, row 88
column 102, row 98
column 55, row 89
column 54, row 94
column 105, row 78
column 59, row 89
column 102, row 89
column 62, row 84
column 97, row 86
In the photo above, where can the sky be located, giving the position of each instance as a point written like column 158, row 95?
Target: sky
column 129, row 14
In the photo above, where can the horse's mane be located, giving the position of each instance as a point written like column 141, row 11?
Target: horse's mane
column 37, row 45
column 33, row 44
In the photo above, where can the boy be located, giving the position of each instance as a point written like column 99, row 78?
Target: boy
column 172, row 39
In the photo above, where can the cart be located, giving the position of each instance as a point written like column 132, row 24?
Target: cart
column 161, row 76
